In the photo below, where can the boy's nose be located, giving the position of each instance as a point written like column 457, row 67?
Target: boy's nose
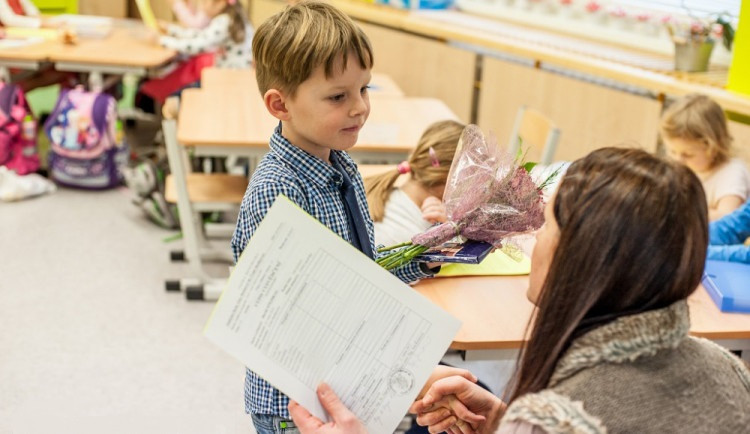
column 359, row 107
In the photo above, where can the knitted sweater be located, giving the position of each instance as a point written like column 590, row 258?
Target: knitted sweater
column 641, row 374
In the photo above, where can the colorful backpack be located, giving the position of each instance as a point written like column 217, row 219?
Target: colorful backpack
column 85, row 151
column 18, row 150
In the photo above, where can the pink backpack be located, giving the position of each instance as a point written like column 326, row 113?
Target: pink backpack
column 18, row 150
column 84, row 148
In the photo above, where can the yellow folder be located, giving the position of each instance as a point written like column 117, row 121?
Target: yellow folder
column 497, row 263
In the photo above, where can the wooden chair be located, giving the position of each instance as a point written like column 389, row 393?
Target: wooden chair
column 195, row 193
column 535, row 131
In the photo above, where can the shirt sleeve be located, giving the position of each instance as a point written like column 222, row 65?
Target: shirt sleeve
column 733, row 228
column 193, row 41
column 193, row 19
column 29, row 8
column 255, row 205
column 733, row 253
column 11, row 19
column 731, row 180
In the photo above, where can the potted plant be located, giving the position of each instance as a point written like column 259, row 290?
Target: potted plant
column 694, row 40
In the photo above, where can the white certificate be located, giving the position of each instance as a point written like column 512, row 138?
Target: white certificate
column 303, row 306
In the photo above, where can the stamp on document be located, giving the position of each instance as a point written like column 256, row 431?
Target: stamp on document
column 401, row 381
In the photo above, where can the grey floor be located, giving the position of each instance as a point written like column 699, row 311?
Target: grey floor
column 89, row 340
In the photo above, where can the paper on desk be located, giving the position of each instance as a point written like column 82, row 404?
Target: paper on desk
column 31, row 34
column 303, row 307
column 497, row 263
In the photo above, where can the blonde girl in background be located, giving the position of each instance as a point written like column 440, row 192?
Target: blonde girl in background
column 224, row 43
column 189, row 16
column 228, row 34
column 402, row 212
column 694, row 131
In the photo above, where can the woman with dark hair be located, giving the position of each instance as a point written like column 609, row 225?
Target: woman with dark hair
column 622, row 248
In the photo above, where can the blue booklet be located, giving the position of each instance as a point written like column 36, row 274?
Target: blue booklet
column 470, row 252
column 728, row 284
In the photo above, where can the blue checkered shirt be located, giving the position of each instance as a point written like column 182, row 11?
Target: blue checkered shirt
column 313, row 185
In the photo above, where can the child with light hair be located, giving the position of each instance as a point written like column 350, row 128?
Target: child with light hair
column 400, row 212
column 694, row 131
column 313, row 67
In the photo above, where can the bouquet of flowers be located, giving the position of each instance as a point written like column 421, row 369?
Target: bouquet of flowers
column 700, row 29
column 489, row 196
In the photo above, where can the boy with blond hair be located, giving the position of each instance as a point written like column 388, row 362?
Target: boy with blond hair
column 313, row 68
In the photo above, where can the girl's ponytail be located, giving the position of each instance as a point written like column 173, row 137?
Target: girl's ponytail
column 237, row 21
column 378, row 188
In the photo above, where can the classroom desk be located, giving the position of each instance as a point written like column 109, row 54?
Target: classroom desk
column 212, row 78
column 231, row 122
column 494, row 311
column 124, row 51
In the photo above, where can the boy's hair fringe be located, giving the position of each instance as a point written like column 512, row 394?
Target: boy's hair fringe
column 289, row 46
column 698, row 117
column 443, row 138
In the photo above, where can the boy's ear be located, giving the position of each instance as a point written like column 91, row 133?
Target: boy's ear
column 275, row 102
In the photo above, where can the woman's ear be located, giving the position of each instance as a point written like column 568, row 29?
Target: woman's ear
column 275, row 102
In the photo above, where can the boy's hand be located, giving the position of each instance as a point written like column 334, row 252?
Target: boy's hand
column 455, row 404
column 433, row 210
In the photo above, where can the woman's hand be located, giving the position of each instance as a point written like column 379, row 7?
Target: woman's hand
column 433, row 210
column 343, row 421
column 443, row 371
column 457, row 405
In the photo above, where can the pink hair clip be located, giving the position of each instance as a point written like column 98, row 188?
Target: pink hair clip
column 433, row 158
column 403, row 167
column 231, row 2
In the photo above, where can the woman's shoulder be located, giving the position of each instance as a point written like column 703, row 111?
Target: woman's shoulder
column 551, row 412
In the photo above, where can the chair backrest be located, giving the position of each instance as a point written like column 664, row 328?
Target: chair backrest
column 533, row 130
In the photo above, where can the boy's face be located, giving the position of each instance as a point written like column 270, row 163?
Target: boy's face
column 328, row 113
column 692, row 153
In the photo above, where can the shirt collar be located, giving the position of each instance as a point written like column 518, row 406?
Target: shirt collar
column 313, row 168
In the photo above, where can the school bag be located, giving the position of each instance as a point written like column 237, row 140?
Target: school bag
column 18, row 147
column 85, row 151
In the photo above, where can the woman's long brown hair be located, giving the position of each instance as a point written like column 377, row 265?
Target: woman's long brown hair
column 633, row 237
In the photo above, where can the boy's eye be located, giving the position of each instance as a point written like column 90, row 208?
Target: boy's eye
column 364, row 89
column 337, row 97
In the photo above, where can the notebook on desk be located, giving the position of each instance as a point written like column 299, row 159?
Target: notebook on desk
column 728, row 284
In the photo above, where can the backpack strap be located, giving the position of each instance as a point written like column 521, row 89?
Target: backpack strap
column 7, row 97
column 100, row 111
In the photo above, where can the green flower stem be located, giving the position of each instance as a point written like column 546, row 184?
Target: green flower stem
column 385, row 249
column 401, row 257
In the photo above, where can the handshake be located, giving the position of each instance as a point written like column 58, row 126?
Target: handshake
column 449, row 402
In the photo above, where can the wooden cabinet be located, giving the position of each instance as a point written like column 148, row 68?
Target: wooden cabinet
column 425, row 67
column 589, row 116
column 109, row 8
